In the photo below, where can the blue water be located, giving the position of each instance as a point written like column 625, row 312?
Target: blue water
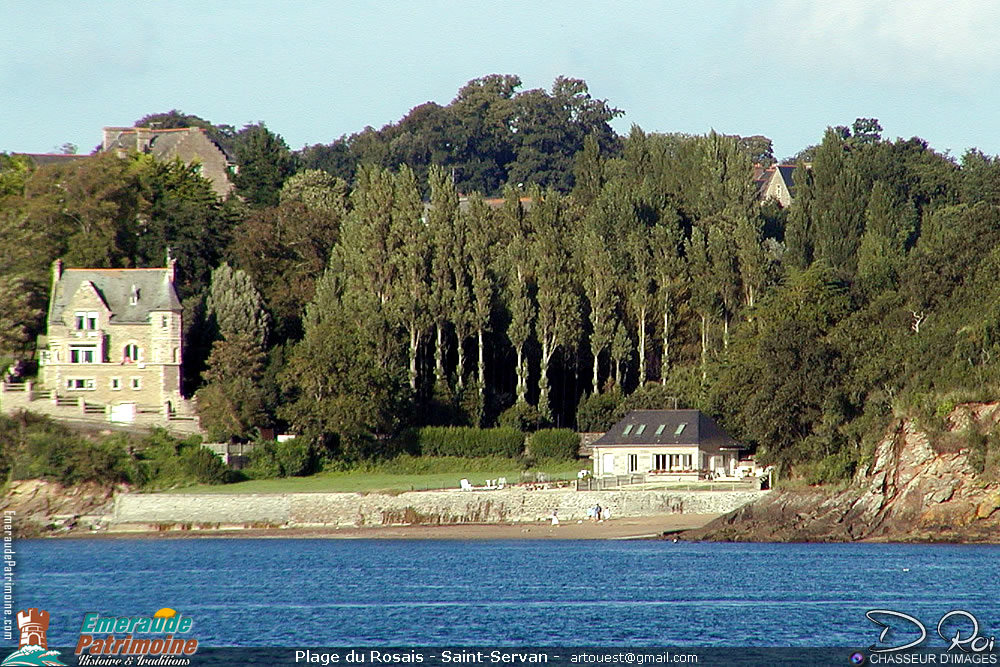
column 282, row 592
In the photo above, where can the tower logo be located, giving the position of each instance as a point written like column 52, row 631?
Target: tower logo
column 33, row 647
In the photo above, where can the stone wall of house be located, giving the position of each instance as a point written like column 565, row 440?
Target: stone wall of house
column 511, row 505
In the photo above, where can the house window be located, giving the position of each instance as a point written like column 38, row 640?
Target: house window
column 85, row 320
column 82, row 355
column 131, row 353
column 661, row 461
column 628, row 429
column 76, row 384
column 659, row 429
column 136, row 383
column 633, row 462
column 639, row 431
column 680, row 428
column 680, row 461
column 163, row 321
column 116, row 383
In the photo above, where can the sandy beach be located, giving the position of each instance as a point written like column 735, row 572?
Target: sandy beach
column 616, row 529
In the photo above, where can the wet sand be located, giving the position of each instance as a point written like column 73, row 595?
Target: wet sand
column 616, row 529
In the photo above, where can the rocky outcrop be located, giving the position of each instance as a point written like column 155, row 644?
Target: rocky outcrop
column 36, row 506
column 916, row 489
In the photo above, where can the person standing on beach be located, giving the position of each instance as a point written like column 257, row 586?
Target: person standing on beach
column 555, row 517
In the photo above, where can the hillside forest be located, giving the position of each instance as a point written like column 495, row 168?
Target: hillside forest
column 508, row 258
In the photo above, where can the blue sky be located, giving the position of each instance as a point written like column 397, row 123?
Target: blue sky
column 315, row 70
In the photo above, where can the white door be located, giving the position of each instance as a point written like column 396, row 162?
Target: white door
column 123, row 412
column 608, row 464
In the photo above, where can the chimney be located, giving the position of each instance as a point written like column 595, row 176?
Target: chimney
column 171, row 268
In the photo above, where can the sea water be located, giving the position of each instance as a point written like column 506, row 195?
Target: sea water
column 318, row 592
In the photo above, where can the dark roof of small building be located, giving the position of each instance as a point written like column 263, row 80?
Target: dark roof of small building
column 667, row 427
column 154, row 287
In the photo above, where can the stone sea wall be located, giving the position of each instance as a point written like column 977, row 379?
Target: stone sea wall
column 513, row 505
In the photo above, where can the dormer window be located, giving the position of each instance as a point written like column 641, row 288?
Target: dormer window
column 133, row 299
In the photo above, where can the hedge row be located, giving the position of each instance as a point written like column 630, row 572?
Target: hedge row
column 554, row 443
column 466, row 441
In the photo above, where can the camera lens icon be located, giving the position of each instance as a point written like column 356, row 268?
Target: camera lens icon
column 857, row 658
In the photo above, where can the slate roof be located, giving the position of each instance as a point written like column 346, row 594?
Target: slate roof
column 667, row 427
column 155, row 289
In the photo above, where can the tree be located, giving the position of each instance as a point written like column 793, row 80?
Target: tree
column 882, row 250
column 518, row 284
column 480, row 250
column 285, row 248
column 232, row 402
column 411, row 258
column 264, row 164
column 341, row 395
column 558, row 307
column 237, row 307
column 442, row 218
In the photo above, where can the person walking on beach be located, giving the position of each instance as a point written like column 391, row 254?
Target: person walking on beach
column 555, row 517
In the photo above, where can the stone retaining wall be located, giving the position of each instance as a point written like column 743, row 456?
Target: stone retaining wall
column 512, row 505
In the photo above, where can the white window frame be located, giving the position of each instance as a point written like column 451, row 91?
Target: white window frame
column 135, row 383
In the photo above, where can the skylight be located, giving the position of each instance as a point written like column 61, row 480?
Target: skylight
column 642, row 427
column 659, row 429
column 628, row 429
column 680, row 428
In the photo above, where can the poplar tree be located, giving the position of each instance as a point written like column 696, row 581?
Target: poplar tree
column 480, row 247
column 518, row 284
column 558, row 306
column 441, row 227
column 365, row 255
column 667, row 240
column 410, row 258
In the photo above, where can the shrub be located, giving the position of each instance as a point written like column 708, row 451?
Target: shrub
column 467, row 441
column 270, row 459
column 203, row 465
column 293, row 457
column 263, row 461
column 523, row 417
column 554, row 443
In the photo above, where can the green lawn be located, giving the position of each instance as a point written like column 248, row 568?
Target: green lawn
column 384, row 481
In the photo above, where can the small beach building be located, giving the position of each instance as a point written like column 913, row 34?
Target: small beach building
column 671, row 445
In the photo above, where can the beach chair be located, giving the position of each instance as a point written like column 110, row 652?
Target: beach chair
column 465, row 485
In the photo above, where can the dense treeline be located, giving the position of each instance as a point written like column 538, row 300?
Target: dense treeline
column 359, row 288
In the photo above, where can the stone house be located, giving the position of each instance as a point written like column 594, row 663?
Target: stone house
column 114, row 340
column 667, row 444
column 190, row 145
